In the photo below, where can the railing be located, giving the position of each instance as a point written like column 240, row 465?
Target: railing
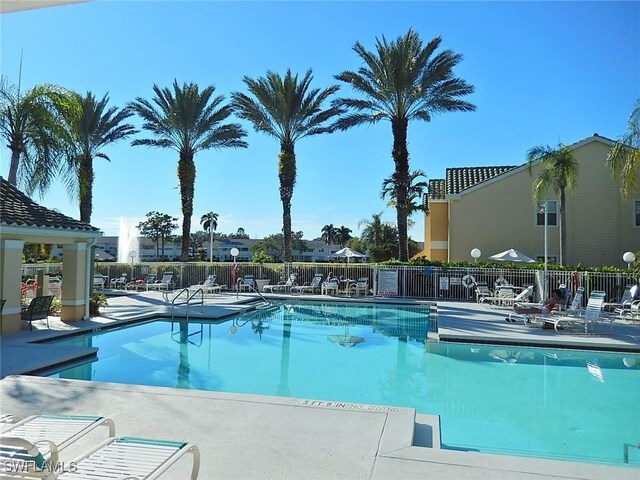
column 432, row 283
column 241, row 281
column 186, row 293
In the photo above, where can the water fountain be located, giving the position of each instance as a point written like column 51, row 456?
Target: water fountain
column 127, row 242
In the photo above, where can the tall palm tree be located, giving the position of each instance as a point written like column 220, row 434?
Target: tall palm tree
column 30, row 125
column 415, row 192
column 559, row 172
column 209, row 222
column 288, row 110
column 403, row 81
column 329, row 233
column 378, row 237
column 91, row 126
column 624, row 157
column 342, row 235
column 187, row 120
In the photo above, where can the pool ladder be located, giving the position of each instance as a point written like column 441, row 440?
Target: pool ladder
column 626, row 450
column 184, row 293
column 251, row 287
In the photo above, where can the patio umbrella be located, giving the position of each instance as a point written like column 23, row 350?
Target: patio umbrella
column 512, row 255
column 347, row 253
column 345, row 340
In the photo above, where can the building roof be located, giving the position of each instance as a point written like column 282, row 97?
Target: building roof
column 459, row 179
column 17, row 209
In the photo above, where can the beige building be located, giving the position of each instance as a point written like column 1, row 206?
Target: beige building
column 491, row 208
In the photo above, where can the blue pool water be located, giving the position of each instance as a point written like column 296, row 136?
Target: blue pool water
column 567, row 404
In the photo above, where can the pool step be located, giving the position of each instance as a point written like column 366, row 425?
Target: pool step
column 426, row 431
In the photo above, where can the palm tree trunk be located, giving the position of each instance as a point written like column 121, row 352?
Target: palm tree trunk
column 13, row 168
column 287, row 175
column 401, row 160
column 85, row 188
column 563, row 228
column 187, row 177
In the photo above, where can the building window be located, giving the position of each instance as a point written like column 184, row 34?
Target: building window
column 636, row 214
column 552, row 213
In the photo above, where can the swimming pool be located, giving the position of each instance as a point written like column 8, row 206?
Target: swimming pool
column 565, row 404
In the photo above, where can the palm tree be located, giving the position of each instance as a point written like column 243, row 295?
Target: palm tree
column 624, row 157
column 559, row 171
column 378, row 238
column 288, row 110
column 187, row 120
column 90, row 126
column 329, row 233
column 342, row 235
column 209, row 222
column 403, row 81
column 415, row 192
column 30, row 125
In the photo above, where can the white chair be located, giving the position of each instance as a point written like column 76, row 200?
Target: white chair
column 98, row 282
column 592, row 314
column 507, row 298
column 482, row 291
column 208, row 286
column 312, row 287
column 248, row 283
column 361, row 286
column 626, row 300
column 282, row 286
column 165, row 284
column 118, row 282
column 331, row 285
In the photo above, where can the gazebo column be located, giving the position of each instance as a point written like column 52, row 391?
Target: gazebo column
column 74, row 281
column 10, row 276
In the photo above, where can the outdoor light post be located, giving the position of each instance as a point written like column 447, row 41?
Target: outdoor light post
column 629, row 257
column 475, row 253
column 544, row 210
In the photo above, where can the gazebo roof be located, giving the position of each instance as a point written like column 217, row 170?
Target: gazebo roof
column 18, row 210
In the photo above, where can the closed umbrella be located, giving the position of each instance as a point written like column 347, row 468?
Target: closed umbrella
column 512, row 255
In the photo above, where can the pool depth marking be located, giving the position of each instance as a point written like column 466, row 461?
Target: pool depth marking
column 351, row 406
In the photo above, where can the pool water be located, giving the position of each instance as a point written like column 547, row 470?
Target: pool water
column 566, row 404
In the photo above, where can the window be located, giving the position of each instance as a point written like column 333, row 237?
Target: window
column 636, row 214
column 552, row 213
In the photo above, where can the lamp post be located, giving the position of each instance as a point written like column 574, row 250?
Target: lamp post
column 629, row 257
column 475, row 253
column 544, row 210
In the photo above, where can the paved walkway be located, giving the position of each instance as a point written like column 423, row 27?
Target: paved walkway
column 250, row 436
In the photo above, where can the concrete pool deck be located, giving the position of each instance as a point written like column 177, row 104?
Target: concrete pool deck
column 251, row 436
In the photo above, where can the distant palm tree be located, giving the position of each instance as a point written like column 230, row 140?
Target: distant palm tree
column 378, row 238
column 288, row 110
column 559, row 171
column 624, row 157
column 343, row 235
column 187, row 120
column 329, row 233
column 209, row 222
column 31, row 126
column 400, row 82
column 91, row 126
column 415, row 192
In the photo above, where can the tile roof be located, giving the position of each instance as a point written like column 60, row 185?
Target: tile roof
column 460, row 179
column 16, row 209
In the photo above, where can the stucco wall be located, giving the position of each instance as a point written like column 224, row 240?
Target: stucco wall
column 500, row 214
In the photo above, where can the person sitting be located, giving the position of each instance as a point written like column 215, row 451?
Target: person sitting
column 550, row 304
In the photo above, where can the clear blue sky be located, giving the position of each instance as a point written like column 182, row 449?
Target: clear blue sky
column 544, row 72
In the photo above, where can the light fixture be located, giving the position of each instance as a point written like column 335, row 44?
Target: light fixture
column 629, row 257
column 475, row 253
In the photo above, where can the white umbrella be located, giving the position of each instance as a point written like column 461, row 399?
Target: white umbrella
column 347, row 253
column 512, row 255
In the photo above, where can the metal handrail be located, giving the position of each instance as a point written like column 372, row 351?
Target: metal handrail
column 241, row 280
column 625, row 452
column 187, row 302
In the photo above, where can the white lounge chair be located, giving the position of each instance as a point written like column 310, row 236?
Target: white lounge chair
column 506, row 297
column 482, row 291
column 118, row 282
column 165, row 284
column 98, row 282
column 208, row 286
column 625, row 301
column 592, row 314
column 57, row 432
column 312, row 287
column 121, row 458
column 534, row 320
column 282, row 286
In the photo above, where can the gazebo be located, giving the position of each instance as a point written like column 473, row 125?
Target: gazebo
column 24, row 221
